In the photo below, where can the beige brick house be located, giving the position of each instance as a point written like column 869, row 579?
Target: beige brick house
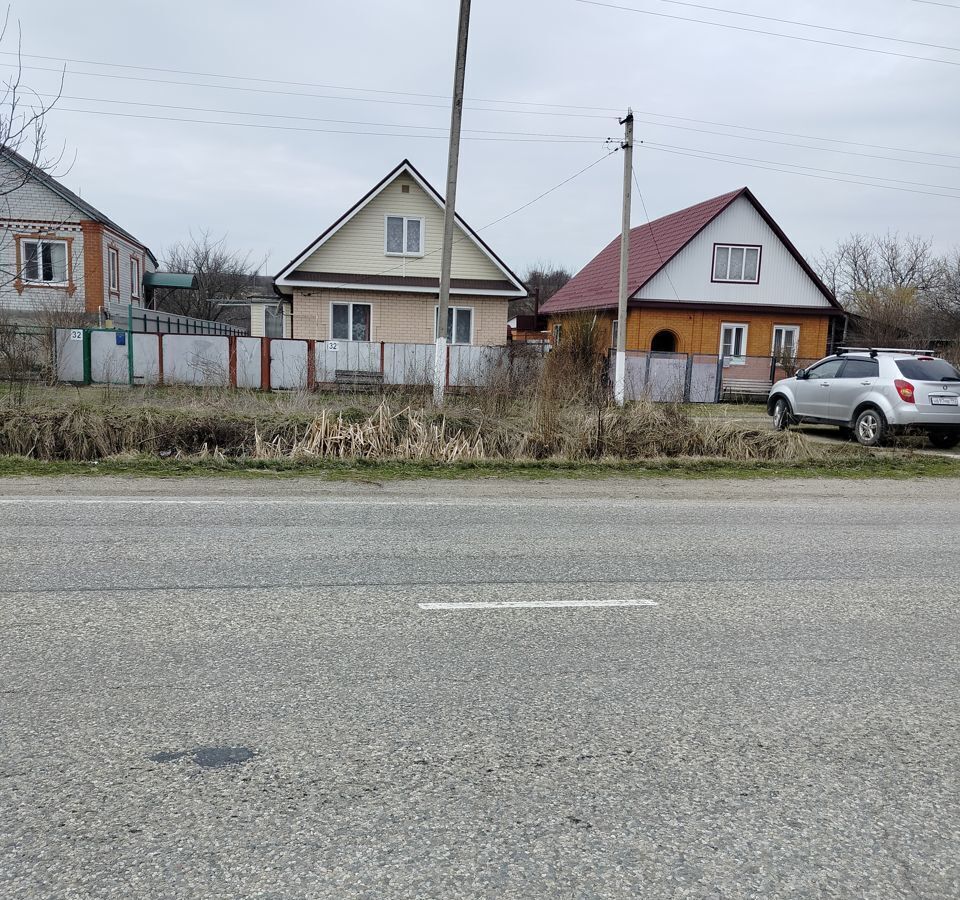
column 374, row 275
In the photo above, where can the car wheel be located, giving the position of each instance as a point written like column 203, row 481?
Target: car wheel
column 944, row 440
column 870, row 428
column 782, row 416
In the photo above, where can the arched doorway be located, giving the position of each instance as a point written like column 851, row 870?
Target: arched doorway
column 664, row 342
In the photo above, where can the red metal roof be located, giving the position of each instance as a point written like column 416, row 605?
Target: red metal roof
column 652, row 246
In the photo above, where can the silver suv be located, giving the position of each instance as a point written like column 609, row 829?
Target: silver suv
column 872, row 392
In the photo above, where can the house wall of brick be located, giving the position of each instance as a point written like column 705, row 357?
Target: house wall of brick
column 397, row 316
column 699, row 331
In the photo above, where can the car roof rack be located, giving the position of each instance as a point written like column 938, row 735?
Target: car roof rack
column 873, row 351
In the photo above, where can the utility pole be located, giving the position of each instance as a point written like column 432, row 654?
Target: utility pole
column 620, row 367
column 449, row 213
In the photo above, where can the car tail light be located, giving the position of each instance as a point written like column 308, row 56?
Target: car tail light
column 905, row 390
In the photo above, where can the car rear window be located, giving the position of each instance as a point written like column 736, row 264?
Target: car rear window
column 928, row 369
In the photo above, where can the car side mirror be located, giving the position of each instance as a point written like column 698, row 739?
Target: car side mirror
column 801, row 374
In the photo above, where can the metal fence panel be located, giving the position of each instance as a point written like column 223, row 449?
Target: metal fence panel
column 68, row 354
column 288, row 364
column 196, row 359
column 248, row 362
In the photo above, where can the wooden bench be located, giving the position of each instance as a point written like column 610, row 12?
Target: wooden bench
column 741, row 389
column 358, row 378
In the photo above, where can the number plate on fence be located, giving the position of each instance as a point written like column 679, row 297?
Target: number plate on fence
column 76, row 334
column 333, row 346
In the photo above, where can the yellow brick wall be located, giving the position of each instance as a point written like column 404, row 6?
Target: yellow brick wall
column 699, row 332
column 397, row 317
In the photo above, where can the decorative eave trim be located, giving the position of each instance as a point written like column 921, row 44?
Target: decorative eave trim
column 393, row 288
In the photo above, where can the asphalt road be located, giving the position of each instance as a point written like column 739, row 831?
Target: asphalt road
column 230, row 690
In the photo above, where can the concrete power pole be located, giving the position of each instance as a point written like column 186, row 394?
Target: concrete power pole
column 449, row 213
column 619, row 377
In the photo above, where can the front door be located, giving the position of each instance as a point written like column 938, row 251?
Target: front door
column 812, row 394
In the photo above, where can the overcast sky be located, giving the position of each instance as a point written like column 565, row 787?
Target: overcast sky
column 388, row 64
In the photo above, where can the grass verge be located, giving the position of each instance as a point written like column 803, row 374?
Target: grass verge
column 887, row 465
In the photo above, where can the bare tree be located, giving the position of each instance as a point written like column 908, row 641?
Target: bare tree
column 543, row 280
column 222, row 274
column 891, row 284
column 23, row 136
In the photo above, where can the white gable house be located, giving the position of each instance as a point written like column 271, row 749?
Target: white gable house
column 374, row 275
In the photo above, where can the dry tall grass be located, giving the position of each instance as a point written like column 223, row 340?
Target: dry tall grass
column 573, row 432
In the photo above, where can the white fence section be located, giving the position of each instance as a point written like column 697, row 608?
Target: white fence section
column 196, row 359
column 104, row 356
column 671, row 377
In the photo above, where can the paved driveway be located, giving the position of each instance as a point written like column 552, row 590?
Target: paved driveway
column 655, row 689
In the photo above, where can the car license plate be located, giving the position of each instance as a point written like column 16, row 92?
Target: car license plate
column 944, row 401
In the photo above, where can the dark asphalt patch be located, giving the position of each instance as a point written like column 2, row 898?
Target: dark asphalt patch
column 208, row 757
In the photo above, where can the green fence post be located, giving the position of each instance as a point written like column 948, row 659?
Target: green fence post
column 130, row 344
column 87, row 365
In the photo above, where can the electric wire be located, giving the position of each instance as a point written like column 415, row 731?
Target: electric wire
column 790, row 37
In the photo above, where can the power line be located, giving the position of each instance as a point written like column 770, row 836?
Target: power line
column 944, row 187
column 536, row 199
column 554, row 188
column 653, row 234
column 743, row 137
column 866, row 34
column 780, row 34
column 806, row 137
column 552, row 137
column 272, row 92
column 241, row 112
column 335, row 87
column 530, row 140
column 748, row 165
column 445, row 107
column 935, row 3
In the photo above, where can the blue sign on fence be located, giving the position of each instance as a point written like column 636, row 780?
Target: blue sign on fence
column 121, row 338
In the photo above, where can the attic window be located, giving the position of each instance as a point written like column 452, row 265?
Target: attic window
column 404, row 188
column 403, row 236
column 736, row 262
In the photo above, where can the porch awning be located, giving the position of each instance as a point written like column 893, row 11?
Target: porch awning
column 170, row 280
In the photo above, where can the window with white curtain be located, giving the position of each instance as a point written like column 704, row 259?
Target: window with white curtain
column 403, row 236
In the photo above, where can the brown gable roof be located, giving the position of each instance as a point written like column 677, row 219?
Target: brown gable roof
column 652, row 246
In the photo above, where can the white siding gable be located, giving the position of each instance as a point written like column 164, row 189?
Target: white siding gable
column 357, row 247
column 782, row 280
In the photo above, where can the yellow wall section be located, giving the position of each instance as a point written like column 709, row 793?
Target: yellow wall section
column 699, row 332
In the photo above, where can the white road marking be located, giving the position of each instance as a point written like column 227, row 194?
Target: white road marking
column 538, row 604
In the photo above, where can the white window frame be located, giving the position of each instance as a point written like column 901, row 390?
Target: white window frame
column 113, row 270
column 557, row 331
column 794, row 329
column 40, row 242
column 453, row 331
column 136, row 277
column 728, row 247
column 740, row 360
column 406, row 219
column 351, row 304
